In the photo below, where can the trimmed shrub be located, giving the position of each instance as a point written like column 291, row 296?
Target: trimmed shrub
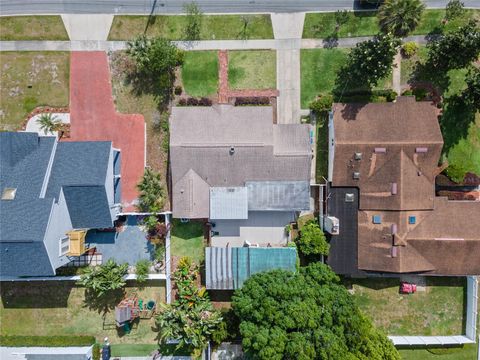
column 255, row 101
column 420, row 94
column 96, row 351
column 178, row 90
column 46, row 341
column 322, row 104
column 141, row 269
column 407, row 93
column 409, row 49
column 196, row 102
column 182, row 102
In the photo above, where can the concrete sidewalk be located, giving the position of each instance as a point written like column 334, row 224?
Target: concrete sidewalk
column 277, row 44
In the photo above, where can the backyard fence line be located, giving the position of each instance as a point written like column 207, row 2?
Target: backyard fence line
column 470, row 329
column 77, row 277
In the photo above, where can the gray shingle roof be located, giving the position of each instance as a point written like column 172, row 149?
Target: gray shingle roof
column 24, row 259
column 88, row 206
column 201, row 140
column 79, row 163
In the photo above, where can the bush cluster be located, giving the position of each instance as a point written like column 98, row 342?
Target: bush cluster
column 44, row 341
column 256, row 101
column 195, row 102
column 409, row 49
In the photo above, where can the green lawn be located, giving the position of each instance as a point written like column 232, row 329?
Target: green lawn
column 466, row 352
column 436, row 311
column 214, row 27
column 187, row 240
column 31, row 79
column 133, row 349
column 252, row 69
column 318, row 69
column 60, row 308
column 32, row 28
column 200, row 73
column 408, row 65
column 322, row 25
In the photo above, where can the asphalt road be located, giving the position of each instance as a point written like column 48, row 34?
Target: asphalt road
column 21, row 7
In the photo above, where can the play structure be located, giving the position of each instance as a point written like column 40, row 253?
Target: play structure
column 131, row 308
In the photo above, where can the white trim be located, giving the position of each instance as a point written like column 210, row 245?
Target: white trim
column 43, row 191
column 76, row 278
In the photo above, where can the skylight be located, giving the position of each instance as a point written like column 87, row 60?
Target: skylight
column 9, row 193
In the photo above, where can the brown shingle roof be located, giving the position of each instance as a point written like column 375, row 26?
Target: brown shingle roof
column 401, row 144
column 201, row 139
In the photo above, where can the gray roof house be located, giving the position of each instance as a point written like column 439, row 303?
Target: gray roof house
column 49, row 190
column 234, row 166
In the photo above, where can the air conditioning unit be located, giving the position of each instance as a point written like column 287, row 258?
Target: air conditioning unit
column 332, row 225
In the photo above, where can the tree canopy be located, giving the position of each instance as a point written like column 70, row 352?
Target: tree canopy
column 312, row 240
column 305, row 315
column 104, row 278
column 472, row 92
column 368, row 62
column 151, row 196
column 400, row 17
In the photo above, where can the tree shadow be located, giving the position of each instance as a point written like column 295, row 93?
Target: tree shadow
column 103, row 304
column 36, row 294
column 455, row 120
column 331, row 41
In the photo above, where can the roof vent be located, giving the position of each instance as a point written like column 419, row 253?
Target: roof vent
column 356, row 175
column 421, row 150
column 349, row 197
column 9, row 193
column 232, row 150
column 358, row 156
column 394, row 251
column 394, row 229
column 394, row 188
column 380, row 150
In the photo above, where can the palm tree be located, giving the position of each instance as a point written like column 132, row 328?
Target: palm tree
column 49, row 123
column 400, row 17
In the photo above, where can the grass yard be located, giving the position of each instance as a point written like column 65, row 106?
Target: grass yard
column 59, row 308
column 436, row 311
column 187, row 240
column 200, row 73
column 131, row 102
column 214, row 27
column 466, row 352
column 252, row 69
column 32, row 28
column 365, row 23
column 408, row 65
column 133, row 349
column 318, row 69
column 31, row 79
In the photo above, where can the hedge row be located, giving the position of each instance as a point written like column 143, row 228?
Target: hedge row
column 195, row 102
column 45, row 341
column 259, row 101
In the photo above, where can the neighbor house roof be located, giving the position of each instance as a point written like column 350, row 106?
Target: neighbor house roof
column 225, row 146
column 38, row 168
column 390, row 152
column 228, row 268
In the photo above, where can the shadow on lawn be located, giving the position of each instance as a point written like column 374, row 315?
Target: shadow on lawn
column 36, row 294
column 103, row 304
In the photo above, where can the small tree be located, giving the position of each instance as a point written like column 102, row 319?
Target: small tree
column 141, row 270
column 191, row 319
column 472, row 92
column 368, row 63
column 400, row 17
column 104, row 278
column 409, row 49
column 246, row 20
column 193, row 26
column 456, row 49
column 312, row 240
column 151, row 197
column 454, row 9
column 341, row 18
column 49, row 123
column 322, row 104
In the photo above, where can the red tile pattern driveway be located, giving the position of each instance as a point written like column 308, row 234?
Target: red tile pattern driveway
column 93, row 117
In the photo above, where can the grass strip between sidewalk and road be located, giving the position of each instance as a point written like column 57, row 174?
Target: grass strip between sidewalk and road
column 32, row 28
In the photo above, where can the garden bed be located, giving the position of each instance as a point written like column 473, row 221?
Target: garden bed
column 29, row 80
column 171, row 27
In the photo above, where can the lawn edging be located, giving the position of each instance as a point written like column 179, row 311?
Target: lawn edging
column 46, row 341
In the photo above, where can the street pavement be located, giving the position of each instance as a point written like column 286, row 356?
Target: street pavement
column 22, row 7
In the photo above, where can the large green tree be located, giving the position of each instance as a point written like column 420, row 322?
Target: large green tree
column 400, row 17
column 305, row 315
column 155, row 61
column 455, row 49
column 368, row 62
column 311, row 240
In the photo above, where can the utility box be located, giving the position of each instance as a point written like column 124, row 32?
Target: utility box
column 332, row 225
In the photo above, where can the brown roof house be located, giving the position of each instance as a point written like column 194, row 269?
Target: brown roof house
column 233, row 166
column 383, row 160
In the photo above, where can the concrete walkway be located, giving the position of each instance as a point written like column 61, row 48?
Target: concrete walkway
column 397, row 73
column 287, row 29
column 87, row 27
column 277, row 44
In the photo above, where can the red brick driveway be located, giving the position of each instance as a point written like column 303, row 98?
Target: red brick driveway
column 93, row 117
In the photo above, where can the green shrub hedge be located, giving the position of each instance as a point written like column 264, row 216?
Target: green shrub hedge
column 60, row 341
